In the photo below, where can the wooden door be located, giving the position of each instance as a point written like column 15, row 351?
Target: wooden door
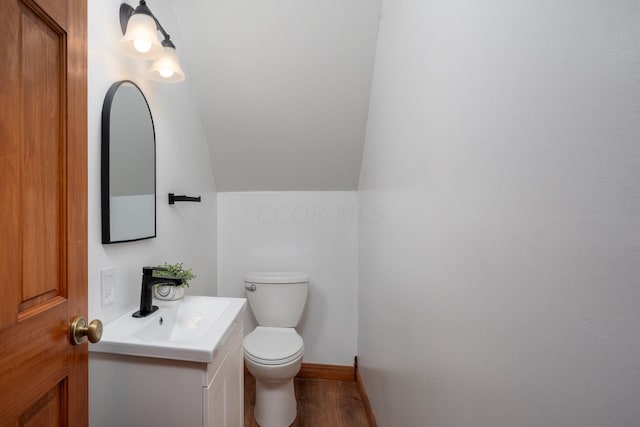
column 43, row 198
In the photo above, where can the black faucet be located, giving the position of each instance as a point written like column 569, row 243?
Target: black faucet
column 148, row 282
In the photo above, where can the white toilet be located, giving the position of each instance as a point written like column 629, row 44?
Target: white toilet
column 273, row 350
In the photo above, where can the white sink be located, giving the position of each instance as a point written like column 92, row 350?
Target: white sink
column 191, row 329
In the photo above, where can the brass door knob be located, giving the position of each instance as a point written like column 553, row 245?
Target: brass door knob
column 80, row 329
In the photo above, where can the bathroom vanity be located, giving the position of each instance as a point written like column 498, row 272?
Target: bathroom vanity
column 181, row 366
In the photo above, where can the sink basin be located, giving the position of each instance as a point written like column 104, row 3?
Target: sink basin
column 191, row 329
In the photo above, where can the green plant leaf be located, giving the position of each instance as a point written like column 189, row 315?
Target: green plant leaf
column 176, row 270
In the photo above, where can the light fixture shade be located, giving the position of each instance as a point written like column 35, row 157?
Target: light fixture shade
column 141, row 38
column 167, row 68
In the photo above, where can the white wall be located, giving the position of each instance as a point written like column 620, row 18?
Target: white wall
column 186, row 232
column 283, row 88
column 314, row 232
column 498, row 283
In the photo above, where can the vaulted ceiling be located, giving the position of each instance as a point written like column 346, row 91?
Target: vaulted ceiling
column 282, row 87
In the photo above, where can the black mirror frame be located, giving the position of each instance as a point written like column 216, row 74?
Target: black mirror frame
column 105, row 164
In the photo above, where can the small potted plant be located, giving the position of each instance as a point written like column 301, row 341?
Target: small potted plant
column 170, row 293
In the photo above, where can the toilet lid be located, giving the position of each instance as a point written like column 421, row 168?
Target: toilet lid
column 273, row 346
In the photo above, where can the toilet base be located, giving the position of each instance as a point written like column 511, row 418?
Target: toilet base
column 275, row 395
column 275, row 403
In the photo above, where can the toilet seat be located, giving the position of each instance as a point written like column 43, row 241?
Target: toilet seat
column 273, row 346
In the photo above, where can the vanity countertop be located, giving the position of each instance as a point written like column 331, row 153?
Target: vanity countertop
column 189, row 329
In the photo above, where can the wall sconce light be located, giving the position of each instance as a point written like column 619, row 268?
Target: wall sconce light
column 140, row 40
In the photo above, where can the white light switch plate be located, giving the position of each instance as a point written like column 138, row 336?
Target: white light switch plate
column 108, row 285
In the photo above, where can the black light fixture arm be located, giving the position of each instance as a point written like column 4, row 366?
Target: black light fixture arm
column 126, row 11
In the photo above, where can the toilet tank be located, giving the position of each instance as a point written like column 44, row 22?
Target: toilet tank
column 277, row 299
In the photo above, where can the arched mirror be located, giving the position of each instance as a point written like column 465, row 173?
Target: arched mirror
column 128, row 165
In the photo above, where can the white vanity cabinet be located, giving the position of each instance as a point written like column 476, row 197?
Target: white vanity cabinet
column 136, row 391
column 223, row 398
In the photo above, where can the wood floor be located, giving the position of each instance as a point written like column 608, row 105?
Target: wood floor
column 321, row 403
